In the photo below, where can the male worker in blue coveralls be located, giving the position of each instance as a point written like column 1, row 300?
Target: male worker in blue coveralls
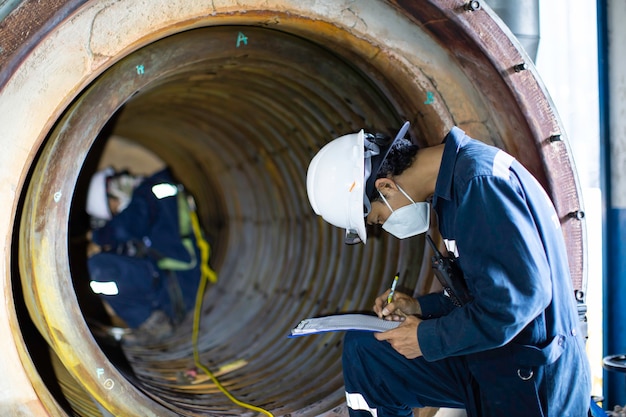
column 515, row 348
column 146, row 269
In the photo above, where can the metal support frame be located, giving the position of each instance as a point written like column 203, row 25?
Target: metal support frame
column 612, row 34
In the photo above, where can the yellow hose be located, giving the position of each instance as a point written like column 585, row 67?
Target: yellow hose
column 208, row 274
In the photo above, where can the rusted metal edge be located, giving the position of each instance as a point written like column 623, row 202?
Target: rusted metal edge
column 26, row 25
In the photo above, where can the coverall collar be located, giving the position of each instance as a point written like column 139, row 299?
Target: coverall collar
column 454, row 141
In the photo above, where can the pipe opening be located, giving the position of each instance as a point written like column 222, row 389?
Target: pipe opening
column 236, row 113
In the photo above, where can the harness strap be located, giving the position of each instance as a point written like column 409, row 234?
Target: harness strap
column 184, row 225
column 176, row 297
column 188, row 223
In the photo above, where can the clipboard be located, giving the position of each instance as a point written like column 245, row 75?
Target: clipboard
column 342, row 322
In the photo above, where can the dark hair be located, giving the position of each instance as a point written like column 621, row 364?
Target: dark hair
column 399, row 158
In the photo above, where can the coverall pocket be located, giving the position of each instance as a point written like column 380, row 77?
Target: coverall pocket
column 510, row 381
column 507, row 389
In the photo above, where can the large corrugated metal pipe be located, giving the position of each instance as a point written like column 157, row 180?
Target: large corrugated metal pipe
column 236, row 97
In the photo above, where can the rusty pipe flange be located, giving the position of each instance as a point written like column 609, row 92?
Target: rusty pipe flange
column 436, row 65
column 165, row 112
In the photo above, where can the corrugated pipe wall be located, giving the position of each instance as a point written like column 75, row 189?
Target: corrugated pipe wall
column 236, row 97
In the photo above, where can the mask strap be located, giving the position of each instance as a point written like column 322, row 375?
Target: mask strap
column 401, row 190
column 385, row 200
column 405, row 194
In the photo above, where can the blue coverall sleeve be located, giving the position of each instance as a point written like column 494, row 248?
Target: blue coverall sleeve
column 132, row 223
column 435, row 305
column 505, row 266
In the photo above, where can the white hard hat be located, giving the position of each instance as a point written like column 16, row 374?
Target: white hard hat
column 97, row 201
column 341, row 177
column 335, row 183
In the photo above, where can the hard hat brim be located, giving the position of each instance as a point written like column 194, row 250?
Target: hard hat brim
column 378, row 160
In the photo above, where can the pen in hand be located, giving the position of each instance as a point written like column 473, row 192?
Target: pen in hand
column 393, row 288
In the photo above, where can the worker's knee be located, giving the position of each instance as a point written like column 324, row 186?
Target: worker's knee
column 358, row 346
column 103, row 267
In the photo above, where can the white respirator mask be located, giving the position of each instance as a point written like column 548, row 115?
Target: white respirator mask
column 407, row 221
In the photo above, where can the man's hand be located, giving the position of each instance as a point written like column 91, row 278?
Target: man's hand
column 401, row 306
column 93, row 249
column 404, row 338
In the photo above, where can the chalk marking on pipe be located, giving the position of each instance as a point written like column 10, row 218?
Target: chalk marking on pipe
column 241, row 38
column 430, row 98
column 57, row 196
column 140, row 69
column 100, row 372
column 108, row 384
